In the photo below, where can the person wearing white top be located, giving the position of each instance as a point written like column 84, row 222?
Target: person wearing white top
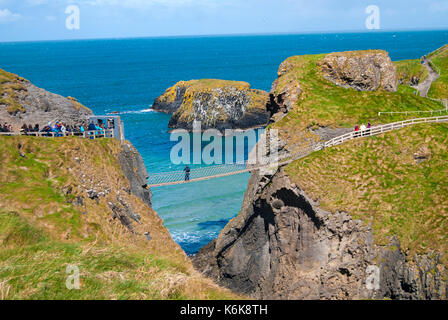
column 363, row 129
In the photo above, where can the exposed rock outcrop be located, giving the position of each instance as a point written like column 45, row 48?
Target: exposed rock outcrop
column 216, row 104
column 134, row 169
column 283, row 100
column 284, row 246
column 361, row 70
column 22, row 102
column 284, row 97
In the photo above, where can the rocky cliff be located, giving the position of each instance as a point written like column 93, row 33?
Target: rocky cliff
column 134, row 169
column 357, row 221
column 361, row 70
column 283, row 245
column 216, row 104
column 80, row 203
column 22, row 102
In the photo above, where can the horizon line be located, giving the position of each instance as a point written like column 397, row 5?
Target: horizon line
column 357, row 31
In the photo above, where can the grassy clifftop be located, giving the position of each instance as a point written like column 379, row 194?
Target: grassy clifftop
column 397, row 181
column 439, row 60
column 326, row 104
column 409, row 70
column 49, row 221
column 10, row 86
column 322, row 103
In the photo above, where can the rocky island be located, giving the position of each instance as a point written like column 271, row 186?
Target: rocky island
column 217, row 104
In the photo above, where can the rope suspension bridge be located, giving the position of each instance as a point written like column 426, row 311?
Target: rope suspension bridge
column 217, row 171
column 212, row 172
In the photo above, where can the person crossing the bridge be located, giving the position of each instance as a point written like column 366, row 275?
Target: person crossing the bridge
column 187, row 173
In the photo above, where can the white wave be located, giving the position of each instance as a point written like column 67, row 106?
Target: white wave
column 135, row 111
column 193, row 236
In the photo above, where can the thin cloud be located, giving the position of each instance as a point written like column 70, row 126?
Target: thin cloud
column 7, row 16
column 437, row 7
column 139, row 4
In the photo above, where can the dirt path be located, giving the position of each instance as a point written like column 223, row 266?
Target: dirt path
column 424, row 86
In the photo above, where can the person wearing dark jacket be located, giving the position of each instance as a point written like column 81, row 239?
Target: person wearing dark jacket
column 91, row 126
column 187, row 173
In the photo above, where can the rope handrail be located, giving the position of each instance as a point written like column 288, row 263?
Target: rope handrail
column 192, row 170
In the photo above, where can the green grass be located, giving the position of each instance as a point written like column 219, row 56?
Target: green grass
column 325, row 104
column 10, row 86
column 409, row 69
column 42, row 231
column 35, row 267
column 439, row 58
column 377, row 180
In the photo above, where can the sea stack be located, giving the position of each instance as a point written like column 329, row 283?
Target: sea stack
column 217, row 104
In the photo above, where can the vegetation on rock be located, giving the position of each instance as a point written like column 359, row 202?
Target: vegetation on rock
column 397, row 182
column 411, row 72
column 439, row 62
column 10, row 86
column 219, row 104
column 61, row 204
column 325, row 104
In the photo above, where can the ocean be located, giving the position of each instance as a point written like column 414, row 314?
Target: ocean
column 126, row 75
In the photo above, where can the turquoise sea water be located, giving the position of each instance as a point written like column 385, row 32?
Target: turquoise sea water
column 126, row 75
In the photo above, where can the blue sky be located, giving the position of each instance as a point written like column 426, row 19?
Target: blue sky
column 46, row 19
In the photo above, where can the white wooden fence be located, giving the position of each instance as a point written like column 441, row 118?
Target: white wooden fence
column 375, row 130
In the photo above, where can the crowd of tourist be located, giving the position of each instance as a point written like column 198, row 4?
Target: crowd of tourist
column 58, row 129
column 5, row 127
column 362, row 130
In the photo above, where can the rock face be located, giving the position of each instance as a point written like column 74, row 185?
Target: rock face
column 134, row 169
column 283, row 246
column 284, row 98
column 361, row 70
column 22, row 102
column 216, row 104
column 282, row 102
